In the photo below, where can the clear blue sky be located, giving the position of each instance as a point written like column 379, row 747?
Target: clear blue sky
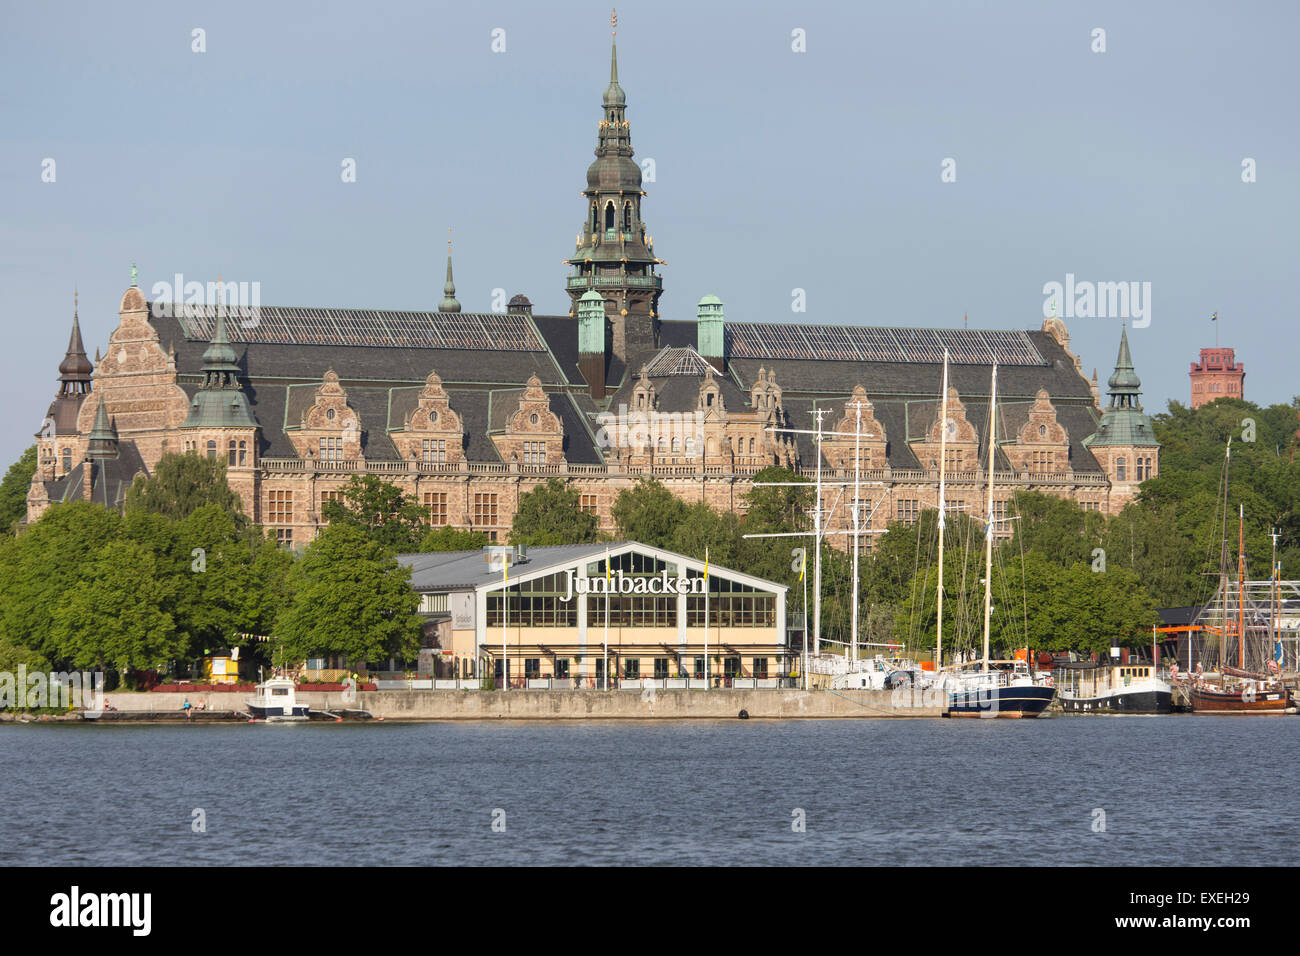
column 775, row 170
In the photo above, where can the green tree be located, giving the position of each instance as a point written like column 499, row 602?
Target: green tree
column 40, row 566
column 116, row 614
column 380, row 510
column 648, row 512
column 552, row 514
column 349, row 596
column 448, row 538
column 13, row 490
column 181, row 484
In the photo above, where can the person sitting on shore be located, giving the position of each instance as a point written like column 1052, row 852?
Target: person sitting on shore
column 188, row 708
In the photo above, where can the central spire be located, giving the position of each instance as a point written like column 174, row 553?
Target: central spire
column 614, row 254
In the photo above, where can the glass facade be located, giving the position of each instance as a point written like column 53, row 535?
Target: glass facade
column 731, row 604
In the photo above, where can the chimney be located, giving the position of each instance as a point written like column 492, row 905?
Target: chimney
column 591, row 341
column 711, row 332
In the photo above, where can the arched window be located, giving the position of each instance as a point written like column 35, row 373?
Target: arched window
column 708, row 399
column 751, row 446
column 609, row 216
column 231, row 453
column 67, row 459
column 627, row 217
column 595, row 218
column 243, row 448
column 1121, row 469
column 1042, row 431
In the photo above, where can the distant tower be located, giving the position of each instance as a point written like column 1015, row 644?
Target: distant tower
column 1216, row 375
column 614, row 256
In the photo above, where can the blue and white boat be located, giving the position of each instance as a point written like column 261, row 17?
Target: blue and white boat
column 277, row 702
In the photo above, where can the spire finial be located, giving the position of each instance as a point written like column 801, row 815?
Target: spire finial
column 449, row 303
column 135, row 275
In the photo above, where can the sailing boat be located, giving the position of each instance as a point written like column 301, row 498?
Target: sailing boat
column 999, row 688
column 1239, row 691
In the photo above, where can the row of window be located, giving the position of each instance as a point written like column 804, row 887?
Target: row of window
column 1142, row 470
column 236, row 451
column 662, row 667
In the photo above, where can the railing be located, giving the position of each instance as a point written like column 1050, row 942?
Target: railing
column 587, row 282
column 692, row 470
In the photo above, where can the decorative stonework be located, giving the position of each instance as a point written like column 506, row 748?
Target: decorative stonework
column 533, row 434
column 330, row 429
column 1042, row 445
column 431, row 432
column 839, row 449
column 962, row 444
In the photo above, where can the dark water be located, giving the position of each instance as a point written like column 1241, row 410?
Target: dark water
column 1175, row 790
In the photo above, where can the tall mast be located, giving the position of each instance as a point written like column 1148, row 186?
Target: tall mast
column 988, row 531
column 1223, row 557
column 943, row 473
column 857, row 474
column 1241, row 586
column 817, row 544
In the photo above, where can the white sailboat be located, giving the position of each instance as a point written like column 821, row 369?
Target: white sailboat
column 999, row 688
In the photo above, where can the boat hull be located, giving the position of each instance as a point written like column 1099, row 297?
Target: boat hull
column 1012, row 702
column 1211, row 701
column 278, row 714
column 1121, row 702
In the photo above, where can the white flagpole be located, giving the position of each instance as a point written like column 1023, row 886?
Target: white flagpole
column 706, row 617
column 608, row 578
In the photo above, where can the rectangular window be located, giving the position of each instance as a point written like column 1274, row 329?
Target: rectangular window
column 435, row 505
column 760, row 668
column 587, row 503
column 485, row 510
column 908, row 509
column 534, row 453
column 284, row 537
column 279, row 507
column 561, row 667
column 434, row 451
column 331, row 449
column 954, row 460
column 532, row 667
column 699, row 668
column 632, row 668
column 661, row 668
column 1043, row 462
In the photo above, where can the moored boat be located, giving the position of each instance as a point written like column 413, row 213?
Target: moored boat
column 1004, row 689
column 276, row 702
column 1088, row 688
column 1246, row 697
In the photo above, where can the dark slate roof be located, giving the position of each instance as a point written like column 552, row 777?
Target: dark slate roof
column 112, row 478
column 561, row 334
column 383, row 381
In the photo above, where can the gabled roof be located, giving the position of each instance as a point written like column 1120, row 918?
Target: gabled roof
column 466, row 570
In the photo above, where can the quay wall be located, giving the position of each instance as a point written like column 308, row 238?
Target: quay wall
column 565, row 704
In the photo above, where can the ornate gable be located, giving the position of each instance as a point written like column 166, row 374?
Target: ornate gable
column 330, row 429
column 432, row 432
column 1042, row 445
column 872, row 447
column 962, row 442
column 534, row 434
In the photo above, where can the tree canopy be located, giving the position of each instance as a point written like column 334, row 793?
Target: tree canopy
column 181, row 484
column 552, row 514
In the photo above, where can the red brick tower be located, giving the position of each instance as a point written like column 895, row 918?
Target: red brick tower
column 1216, row 375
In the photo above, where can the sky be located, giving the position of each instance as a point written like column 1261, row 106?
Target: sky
column 796, row 145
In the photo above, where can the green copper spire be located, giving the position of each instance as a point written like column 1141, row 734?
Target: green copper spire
column 135, row 274
column 1124, row 422
column 1125, row 377
column 103, row 435
column 449, row 303
column 221, row 401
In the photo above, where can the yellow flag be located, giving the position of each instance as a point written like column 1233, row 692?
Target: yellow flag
column 803, row 564
column 706, row 564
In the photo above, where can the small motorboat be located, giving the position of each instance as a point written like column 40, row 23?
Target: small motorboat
column 277, row 702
